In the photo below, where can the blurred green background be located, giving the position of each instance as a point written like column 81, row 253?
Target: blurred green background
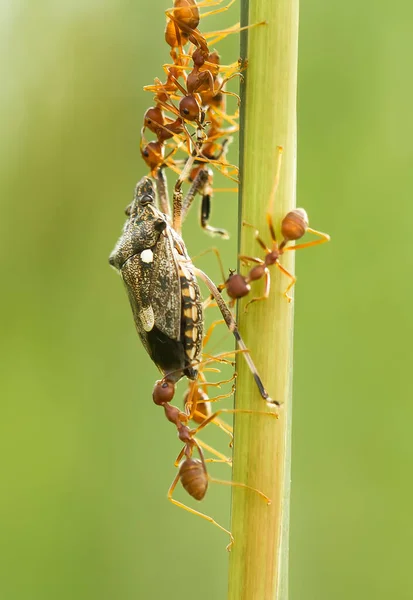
column 87, row 457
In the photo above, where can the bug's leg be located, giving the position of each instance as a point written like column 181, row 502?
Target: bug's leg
column 196, row 188
column 206, row 210
column 178, row 196
column 162, row 188
column 232, row 326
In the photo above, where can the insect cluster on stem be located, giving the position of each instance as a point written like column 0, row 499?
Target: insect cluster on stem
column 189, row 115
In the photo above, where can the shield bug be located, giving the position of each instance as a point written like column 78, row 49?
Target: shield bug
column 160, row 280
column 163, row 292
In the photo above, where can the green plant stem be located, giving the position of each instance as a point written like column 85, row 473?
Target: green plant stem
column 262, row 448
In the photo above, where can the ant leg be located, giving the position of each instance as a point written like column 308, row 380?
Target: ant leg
column 324, row 238
column 221, row 424
column 273, row 194
column 212, row 450
column 291, row 276
column 196, row 512
column 233, row 94
column 246, row 260
column 257, row 236
column 266, row 291
column 179, row 457
column 232, row 326
column 218, row 257
column 241, row 485
column 231, row 411
column 213, row 37
column 228, row 118
column 210, row 330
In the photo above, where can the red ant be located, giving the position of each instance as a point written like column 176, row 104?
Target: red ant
column 193, row 473
column 293, row 227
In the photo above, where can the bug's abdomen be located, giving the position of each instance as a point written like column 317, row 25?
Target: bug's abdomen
column 166, row 353
column 192, row 320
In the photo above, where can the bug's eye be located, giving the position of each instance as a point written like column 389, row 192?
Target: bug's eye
column 160, row 225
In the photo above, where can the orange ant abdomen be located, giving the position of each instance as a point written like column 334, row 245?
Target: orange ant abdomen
column 203, row 407
column 187, row 13
column 194, row 478
column 294, row 225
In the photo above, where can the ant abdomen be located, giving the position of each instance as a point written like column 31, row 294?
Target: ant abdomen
column 203, row 407
column 294, row 225
column 193, row 478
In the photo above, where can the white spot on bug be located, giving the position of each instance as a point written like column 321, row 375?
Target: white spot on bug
column 147, row 256
column 147, row 318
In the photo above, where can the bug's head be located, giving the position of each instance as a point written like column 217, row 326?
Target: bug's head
column 144, row 192
column 143, row 227
column 144, row 195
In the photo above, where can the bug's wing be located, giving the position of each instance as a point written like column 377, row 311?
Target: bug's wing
column 165, row 291
column 137, row 275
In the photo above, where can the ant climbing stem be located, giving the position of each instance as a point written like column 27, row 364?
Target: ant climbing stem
column 293, row 227
column 192, row 472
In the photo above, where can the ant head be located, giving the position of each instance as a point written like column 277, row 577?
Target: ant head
column 237, row 286
column 189, row 108
column 153, row 118
column 163, row 392
column 153, row 154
